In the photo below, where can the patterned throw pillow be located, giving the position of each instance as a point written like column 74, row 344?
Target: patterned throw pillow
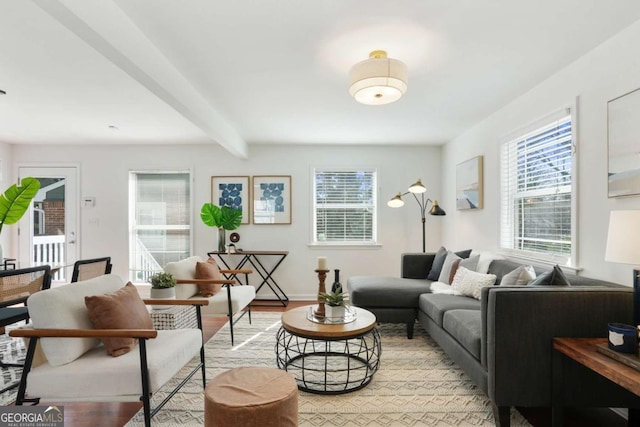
column 470, row 283
column 519, row 277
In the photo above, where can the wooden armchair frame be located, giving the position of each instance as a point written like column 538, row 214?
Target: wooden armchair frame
column 226, row 283
column 142, row 335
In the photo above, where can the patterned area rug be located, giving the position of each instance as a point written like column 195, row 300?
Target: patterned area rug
column 417, row 384
column 12, row 350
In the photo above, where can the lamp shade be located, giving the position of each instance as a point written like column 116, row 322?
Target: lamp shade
column 417, row 187
column 378, row 80
column 396, row 201
column 623, row 240
column 436, row 209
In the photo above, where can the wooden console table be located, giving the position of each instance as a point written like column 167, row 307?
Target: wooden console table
column 583, row 351
column 253, row 258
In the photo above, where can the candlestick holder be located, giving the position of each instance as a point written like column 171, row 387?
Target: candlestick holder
column 322, row 275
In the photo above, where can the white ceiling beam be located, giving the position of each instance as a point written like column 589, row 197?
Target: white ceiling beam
column 108, row 30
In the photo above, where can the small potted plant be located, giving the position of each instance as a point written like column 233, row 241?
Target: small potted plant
column 162, row 287
column 335, row 304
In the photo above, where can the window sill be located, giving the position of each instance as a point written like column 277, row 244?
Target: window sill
column 541, row 261
column 349, row 245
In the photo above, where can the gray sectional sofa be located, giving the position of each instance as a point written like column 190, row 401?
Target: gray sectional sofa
column 503, row 340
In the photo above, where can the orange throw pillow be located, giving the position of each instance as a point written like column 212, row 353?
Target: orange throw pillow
column 122, row 309
column 208, row 270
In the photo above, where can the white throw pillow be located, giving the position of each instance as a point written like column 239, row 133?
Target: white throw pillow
column 485, row 260
column 519, row 277
column 185, row 270
column 445, row 273
column 443, row 288
column 470, row 283
column 63, row 308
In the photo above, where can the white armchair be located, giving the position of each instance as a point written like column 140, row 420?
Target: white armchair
column 71, row 364
column 234, row 300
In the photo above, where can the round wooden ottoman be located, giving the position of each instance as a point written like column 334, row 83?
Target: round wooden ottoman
column 251, row 396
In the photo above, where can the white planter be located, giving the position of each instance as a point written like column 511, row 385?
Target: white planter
column 334, row 312
column 163, row 293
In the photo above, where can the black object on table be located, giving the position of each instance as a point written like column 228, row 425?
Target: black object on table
column 253, row 258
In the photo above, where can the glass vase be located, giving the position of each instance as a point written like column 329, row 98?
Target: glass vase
column 222, row 240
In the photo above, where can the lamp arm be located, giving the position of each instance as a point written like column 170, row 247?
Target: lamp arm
column 422, row 203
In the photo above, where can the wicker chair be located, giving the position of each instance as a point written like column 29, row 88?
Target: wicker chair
column 15, row 287
column 86, row 269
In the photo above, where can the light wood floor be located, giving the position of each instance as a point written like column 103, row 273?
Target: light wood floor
column 118, row 414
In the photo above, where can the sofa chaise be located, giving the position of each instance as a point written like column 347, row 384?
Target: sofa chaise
column 503, row 339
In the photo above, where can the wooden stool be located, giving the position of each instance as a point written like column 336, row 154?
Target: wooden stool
column 251, row 396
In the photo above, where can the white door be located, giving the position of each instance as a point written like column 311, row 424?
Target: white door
column 49, row 231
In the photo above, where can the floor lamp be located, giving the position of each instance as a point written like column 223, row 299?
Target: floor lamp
column 414, row 189
column 622, row 247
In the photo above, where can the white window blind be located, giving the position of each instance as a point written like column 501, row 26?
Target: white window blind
column 160, row 218
column 344, row 206
column 537, row 187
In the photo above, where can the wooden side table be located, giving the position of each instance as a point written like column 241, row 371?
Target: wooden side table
column 583, row 351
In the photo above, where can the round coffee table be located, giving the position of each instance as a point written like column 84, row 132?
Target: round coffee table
column 328, row 358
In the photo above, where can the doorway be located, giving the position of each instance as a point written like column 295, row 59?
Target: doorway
column 48, row 233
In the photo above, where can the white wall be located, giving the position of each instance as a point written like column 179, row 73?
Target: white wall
column 608, row 71
column 104, row 175
column 6, row 181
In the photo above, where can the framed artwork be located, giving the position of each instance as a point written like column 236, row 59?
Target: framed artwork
column 469, row 184
column 272, row 199
column 231, row 191
column 623, row 140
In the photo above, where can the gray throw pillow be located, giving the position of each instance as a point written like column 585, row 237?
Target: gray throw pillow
column 438, row 262
column 470, row 263
column 464, row 254
column 554, row 277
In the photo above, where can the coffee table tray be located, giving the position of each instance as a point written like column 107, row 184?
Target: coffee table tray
column 349, row 316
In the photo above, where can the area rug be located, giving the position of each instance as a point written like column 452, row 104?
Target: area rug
column 12, row 350
column 417, row 384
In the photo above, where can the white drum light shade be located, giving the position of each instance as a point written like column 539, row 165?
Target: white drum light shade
column 378, row 80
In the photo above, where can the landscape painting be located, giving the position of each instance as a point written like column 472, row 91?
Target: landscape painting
column 469, row 184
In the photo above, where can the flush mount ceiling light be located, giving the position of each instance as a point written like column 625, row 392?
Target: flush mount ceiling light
column 378, row 80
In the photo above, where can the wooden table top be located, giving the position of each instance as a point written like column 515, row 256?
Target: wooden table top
column 296, row 322
column 583, row 350
column 240, row 252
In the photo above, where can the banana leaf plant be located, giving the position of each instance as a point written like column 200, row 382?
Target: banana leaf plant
column 15, row 201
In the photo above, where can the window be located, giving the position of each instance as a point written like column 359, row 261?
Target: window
column 344, row 206
column 537, row 217
column 160, row 221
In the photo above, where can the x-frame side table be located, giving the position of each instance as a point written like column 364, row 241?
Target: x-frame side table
column 266, row 273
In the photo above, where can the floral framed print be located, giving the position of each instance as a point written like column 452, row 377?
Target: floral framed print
column 469, row 184
column 231, row 191
column 272, row 199
column 623, row 130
